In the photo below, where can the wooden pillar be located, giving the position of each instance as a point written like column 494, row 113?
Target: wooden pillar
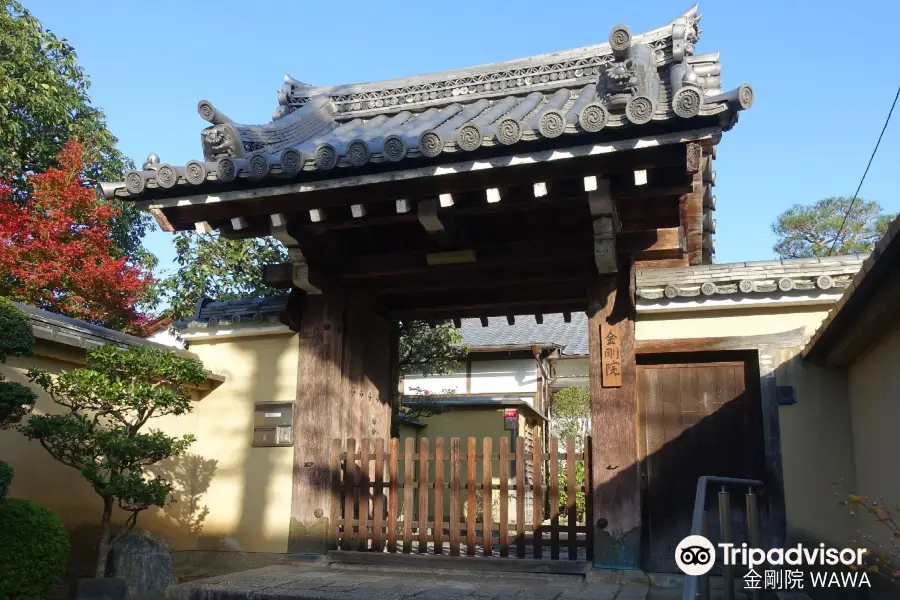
column 614, row 468
column 342, row 392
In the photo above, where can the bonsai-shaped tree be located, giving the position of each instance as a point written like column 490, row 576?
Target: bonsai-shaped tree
column 102, row 434
column 16, row 339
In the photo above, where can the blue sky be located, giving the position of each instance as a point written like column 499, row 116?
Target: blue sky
column 824, row 74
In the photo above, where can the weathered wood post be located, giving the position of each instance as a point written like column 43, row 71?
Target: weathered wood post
column 342, row 392
column 614, row 466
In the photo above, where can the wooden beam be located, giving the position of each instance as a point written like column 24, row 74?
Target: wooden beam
column 202, row 227
column 238, row 223
column 692, row 221
column 614, row 452
column 446, row 200
column 300, row 272
column 414, row 183
column 484, row 321
column 510, row 320
column 278, row 276
column 652, row 244
column 402, row 206
column 541, row 189
column 316, row 215
column 428, row 217
column 495, row 194
column 504, row 298
column 547, row 250
column 665, row 263
column 539, row 318
column 161, row 220
column 694, row 155
column 605, row 223
column 358, row 210
column 279, row 230
column 640, row 177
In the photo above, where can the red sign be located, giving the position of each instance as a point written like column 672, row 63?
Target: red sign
column 510, row 418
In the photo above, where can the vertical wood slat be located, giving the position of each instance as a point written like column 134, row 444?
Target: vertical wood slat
column 571, row 495
column 504, row 496
column 378, row 500
column 349, row 493
column 520, row 497
column 422, row 486
column 538, row 505
column 336, row 446
column 392, row 498
column 554, row 498
column 471, row 510
column 487, row 516
column 589, row 492
column 364, row 494
column 454, row 496
column 408, row 494
column 438, row 496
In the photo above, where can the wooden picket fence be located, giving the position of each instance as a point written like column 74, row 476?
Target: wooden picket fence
column 376, row 508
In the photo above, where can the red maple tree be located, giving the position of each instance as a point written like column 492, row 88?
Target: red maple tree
column 57, row 253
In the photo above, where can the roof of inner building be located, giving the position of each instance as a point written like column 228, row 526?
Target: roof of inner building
column 563, row 99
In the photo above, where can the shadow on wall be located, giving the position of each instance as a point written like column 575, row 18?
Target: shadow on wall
column 190, row 476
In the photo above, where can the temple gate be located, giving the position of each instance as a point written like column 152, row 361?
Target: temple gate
column 521, row 188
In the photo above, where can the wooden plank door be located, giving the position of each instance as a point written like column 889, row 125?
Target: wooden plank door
column 700, row 415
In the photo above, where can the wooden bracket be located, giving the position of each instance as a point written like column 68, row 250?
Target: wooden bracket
column 300, row 272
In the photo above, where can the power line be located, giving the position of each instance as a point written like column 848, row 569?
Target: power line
column 866, row 172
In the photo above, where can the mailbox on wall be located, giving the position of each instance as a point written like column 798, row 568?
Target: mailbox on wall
column 511, row 419
column 273, row 424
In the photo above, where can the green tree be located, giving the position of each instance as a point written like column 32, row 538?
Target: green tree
column 571, row 413
column 44, row 102
column 570, row 416
column 216, row 267
column 426, row 350
column 101, row 432
column 812, row 230
column 16, row 339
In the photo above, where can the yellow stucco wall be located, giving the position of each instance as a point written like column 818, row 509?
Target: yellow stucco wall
column 728, row 322
column 816, row 450
column 230, row 496
column 249, row 493
column 874, row 381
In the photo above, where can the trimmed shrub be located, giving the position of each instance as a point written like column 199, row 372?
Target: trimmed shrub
column 6, row 475
column 34, row 548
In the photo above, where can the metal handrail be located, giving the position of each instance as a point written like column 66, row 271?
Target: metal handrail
column 693, row 583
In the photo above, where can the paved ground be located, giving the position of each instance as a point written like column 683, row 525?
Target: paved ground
column 323, row 583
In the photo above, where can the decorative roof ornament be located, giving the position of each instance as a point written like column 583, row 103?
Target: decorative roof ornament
column 629, row 81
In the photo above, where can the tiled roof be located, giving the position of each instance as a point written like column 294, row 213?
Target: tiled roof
column 629, row 82
column 572, row 336
column 754, row 277
column 72, row 332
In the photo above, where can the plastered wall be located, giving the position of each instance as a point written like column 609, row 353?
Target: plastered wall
column 230, row 495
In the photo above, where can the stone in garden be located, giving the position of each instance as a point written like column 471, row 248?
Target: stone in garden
column 144, row 563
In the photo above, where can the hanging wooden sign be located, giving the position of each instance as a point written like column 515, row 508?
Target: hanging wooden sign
column 610, row 359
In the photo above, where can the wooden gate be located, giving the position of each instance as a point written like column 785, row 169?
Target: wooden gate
column 385, row 500
column 700, row 415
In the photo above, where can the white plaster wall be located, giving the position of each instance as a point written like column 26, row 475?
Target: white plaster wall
column 504, row 376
